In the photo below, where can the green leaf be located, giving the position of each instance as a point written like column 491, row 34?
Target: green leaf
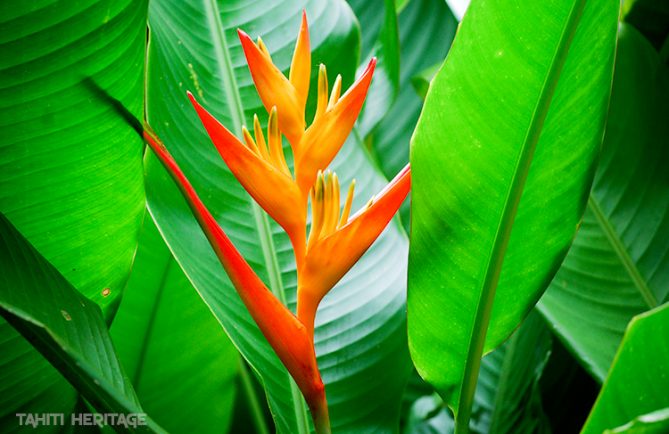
column 656, row 422
column 502, row 164
column 428, row 415
column 171, row 346
column 70, row 169
column 507, row 397
column 384, row 88
column 421, row 81
column 66, row 327
column 651, row 18
column 370, row 22
column 618, row 265
column 426, row 30
column 360, row 336
column 637, row 382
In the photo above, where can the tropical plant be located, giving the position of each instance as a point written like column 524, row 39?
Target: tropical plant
column 177, row 255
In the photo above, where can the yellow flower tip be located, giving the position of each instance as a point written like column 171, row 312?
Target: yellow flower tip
column 260, row 139
column 336, row 91
column 332, row 125
column 347, row 205
column 322, row 97
column 300, row 67
column 261, row 45
column 278, row 159
column 248, row 140
column 331, row 255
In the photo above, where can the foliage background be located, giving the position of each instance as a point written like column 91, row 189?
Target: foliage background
column 80, row 254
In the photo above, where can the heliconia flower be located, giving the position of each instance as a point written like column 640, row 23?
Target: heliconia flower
column 287, row 336
column 336, row 242
column 289, row 95
column 260, row 166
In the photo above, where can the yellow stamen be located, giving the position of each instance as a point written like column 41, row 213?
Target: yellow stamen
column 322, row 91
column 334, row 204
column 347, row 206
column 317, row 209
column 336, row 92
column 260, row 138
column 248, row 140
column 327, row 205
column 263, row 48
column 275, row 146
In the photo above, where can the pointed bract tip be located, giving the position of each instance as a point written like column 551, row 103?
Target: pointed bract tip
column 192, row 99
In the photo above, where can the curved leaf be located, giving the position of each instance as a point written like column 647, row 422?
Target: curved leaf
column 63, row 325
column 70, row 169
column 618, row 265
column 171, row 346
column 637, row 383
column 360, row 335
column 502, row 164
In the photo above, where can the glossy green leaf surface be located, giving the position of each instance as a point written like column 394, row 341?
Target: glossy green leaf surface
column 70, row 168
column 502, row 190
column 418, row 50
column 171, row 345
column 618, row 265
column 637, row 383
column 508, row 400
column 360, row 327
column 384, row 88
column 656, row 422
column 428, row 416
column 66, row 327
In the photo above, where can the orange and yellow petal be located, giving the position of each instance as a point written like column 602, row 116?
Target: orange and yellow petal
column 261, row 171
column 300, row 68
column 275, row 89
column 332, row 125
column 334, row 250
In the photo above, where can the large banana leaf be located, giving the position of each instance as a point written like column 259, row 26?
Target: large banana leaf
column 360, row 336
column 619, row 264
column 70, row 168
column 502, row 159
column 637, row 383
column 171, row 346
column 508, row 399
column 68, row 329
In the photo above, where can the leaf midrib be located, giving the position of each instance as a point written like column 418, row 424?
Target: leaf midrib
column 229, row 85
column 503, row 231
column 621, row 251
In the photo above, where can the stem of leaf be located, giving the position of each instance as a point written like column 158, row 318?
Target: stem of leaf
column 252, row 399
